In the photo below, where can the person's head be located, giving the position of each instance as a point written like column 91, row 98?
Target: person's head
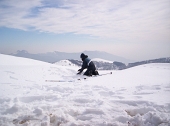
column 83, row 56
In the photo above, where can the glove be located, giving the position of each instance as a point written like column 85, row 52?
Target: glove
column 79, row 71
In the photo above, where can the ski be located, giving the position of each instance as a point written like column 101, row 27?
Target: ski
column 59, row 81
column 105, row 74
column 79, row 79
column 94, row 76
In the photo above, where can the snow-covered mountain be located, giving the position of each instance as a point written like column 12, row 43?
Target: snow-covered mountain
column 102, row 64
column 105, row 61
column 56, row 56
column 35, row 93
column 99, row 63
column 65, row 63
column 102, row 60
column 160, row 60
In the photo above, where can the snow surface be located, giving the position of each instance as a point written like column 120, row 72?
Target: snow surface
column 31, row 95
column 65, row 63
column 101, row 60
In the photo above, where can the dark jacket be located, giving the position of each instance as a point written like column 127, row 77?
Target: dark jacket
column 87, row 63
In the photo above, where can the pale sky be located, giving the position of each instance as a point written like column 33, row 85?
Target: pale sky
column 133, row 29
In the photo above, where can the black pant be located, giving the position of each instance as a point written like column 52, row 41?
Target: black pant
column 91, row 72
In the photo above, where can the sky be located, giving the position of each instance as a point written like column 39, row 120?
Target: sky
column 133, row 29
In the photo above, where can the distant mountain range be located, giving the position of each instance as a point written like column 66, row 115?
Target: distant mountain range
column 107, row 65
column 160, row 60
column 113, row 63
column 100, row 64
column 52, row 57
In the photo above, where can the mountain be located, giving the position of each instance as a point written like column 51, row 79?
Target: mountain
column 107, row 56
column 102, row 60
column 160, row 60
column 53, row 57
column 110, row 65
column 41, row 57
column 65, row 63
column 102, row 64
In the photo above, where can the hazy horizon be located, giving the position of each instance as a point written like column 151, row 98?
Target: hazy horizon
column 86, row 52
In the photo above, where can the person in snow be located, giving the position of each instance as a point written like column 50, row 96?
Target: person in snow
column 87, row 63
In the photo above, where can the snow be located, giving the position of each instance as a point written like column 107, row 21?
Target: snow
column 137, row 96
column 65, row 63
column 101, row 60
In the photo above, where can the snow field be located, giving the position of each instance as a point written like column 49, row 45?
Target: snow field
column 137, row 96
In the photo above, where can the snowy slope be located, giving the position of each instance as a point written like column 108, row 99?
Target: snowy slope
column 138, row 96
column 101, row 60
column 12, row 60
column 65, row 63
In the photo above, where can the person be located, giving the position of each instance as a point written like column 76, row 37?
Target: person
column 87, row 63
